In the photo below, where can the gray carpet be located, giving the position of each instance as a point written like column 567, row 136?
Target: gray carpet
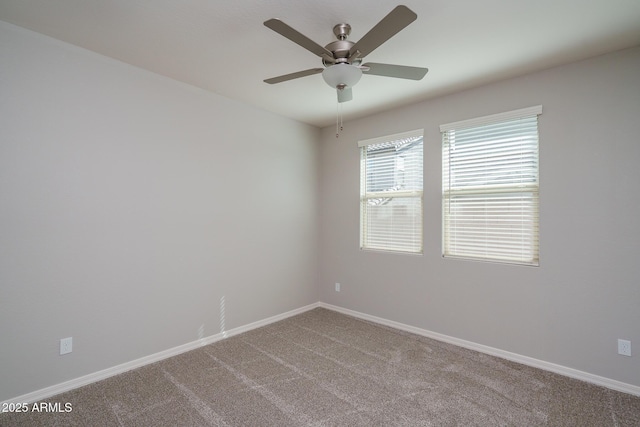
column 322, row 368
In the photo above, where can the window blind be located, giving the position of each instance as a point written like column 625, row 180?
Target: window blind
column 490, row 188
column 391, row 193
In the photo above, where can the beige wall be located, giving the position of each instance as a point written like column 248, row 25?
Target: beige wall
column 586, row 293
column 130, row 204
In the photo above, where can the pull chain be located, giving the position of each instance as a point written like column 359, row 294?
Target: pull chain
column 337, row 119
column 339, row 127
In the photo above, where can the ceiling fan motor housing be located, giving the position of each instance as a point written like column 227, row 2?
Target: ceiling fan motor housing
column 341, row 47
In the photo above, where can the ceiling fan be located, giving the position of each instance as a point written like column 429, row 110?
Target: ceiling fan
column 342, row 58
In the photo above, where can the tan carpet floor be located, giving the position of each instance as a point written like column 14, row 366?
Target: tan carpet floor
column 322, row 368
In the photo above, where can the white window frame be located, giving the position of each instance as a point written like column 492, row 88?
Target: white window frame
column 402, row 233
column 492, row 221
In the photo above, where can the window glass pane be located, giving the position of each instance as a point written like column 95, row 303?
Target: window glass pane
column 391, row 195
column 490, row 191
column 394, row 224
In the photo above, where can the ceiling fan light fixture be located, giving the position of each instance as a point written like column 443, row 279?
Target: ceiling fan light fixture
column 343, row 75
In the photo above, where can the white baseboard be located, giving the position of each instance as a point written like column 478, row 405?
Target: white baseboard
column 525, row 360
column 119, row 369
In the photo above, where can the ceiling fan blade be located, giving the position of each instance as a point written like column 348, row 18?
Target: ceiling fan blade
column 295, row 36
column 295, row 75
column 398, row 71
column 388, row 27
column 345, row 94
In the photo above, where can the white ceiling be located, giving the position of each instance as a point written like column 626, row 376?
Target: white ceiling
column 222, row 46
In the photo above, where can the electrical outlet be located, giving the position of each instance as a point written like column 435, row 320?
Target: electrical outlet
column 624, row 347
column 337, row 287
column 66, row 345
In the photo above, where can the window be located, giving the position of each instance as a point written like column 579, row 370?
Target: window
column 490, row 188
column 391, row 193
